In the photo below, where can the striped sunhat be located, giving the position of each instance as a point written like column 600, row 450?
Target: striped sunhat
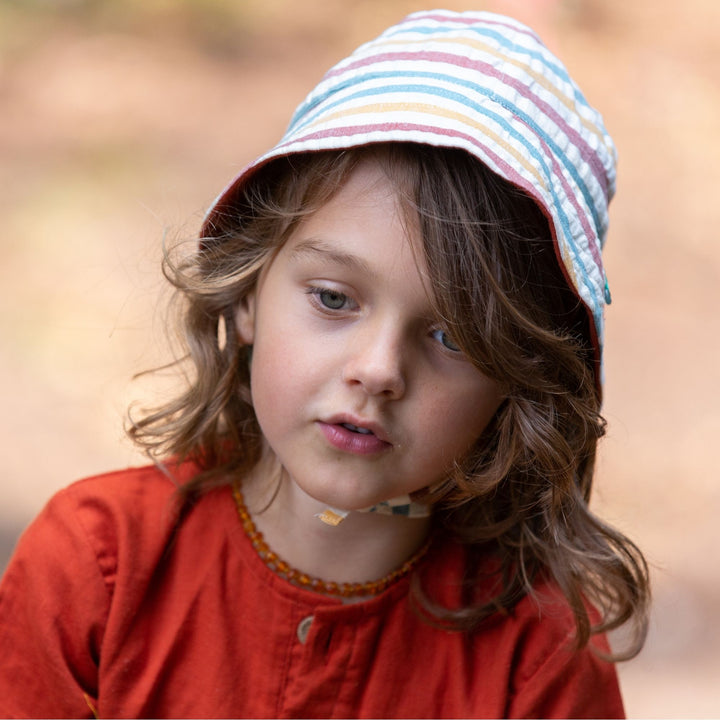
column 485, row 83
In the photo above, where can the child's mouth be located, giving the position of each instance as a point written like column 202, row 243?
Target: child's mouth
column 354, row 439
column 356, row 429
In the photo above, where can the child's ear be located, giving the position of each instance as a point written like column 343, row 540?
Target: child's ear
column 245, row 319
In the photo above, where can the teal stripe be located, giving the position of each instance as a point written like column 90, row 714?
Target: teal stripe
column 527, row 119
column 450, row 95
column 547, row 61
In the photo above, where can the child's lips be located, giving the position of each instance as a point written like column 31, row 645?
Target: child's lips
column 355, row 435
column 360, row 425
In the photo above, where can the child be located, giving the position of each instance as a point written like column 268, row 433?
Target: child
column 371, row 500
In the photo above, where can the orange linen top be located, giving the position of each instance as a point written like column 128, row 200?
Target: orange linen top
column 103, row 609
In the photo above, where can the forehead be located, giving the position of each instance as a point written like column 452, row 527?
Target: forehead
column 365, row 187
column 365, row 212
column 363, row 229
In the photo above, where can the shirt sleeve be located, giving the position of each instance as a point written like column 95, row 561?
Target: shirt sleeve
column 54, row 602
column 562, row 682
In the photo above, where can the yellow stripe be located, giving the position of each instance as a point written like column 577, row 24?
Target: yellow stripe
column 381, row 108
column 437, row 110
column 539, row 78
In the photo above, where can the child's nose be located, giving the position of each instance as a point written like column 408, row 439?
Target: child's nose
column 376, row 362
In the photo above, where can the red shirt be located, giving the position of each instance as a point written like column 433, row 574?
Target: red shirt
column 102, row 606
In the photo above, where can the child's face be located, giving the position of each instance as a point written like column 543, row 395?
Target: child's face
column 359, row 393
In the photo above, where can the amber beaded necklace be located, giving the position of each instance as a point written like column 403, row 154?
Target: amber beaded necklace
column 286, row 571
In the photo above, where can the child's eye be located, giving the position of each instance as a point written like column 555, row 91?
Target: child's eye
column 445, row 340
column 330, row 299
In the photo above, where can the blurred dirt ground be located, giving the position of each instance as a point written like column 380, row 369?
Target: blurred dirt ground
column 119, row 122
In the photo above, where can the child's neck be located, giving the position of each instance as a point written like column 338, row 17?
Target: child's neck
column 364, row 546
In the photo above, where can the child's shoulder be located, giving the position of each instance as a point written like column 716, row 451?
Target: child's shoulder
column 146, row 480
column 542, row 616
column 147, row 487
column 122, row 495
column 108, row 518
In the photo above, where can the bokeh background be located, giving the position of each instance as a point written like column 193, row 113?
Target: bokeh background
column 119, row 123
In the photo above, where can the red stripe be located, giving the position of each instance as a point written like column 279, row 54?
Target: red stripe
column 586, row 152
column 591, row 235
column 508, row 171
column 470, row 21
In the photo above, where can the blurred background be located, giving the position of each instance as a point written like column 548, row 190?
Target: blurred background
column 120, row 122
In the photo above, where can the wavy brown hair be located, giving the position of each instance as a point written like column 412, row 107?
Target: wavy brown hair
column 522, row 493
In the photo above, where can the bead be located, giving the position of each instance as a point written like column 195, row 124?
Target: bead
column 282, row 568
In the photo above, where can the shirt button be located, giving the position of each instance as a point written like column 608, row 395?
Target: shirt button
column 303, row 628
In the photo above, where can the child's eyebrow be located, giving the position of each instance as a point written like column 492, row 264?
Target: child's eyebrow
column 318, row 248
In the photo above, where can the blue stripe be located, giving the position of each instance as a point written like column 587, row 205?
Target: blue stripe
column 546, row 60
column 527, row 119
column 450, row 95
